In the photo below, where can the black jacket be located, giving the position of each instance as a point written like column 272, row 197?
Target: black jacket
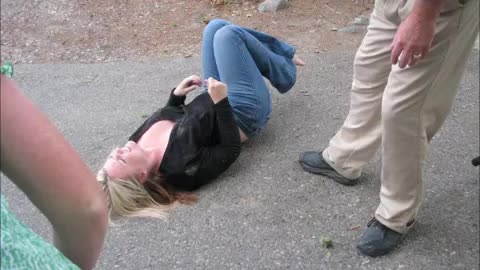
column 204, row 141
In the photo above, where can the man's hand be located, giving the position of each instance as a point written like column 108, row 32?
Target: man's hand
column 187, row 85
column 414, row 37
column 217, row 90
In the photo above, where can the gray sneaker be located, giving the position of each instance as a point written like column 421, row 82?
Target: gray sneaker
column 313, row 162
column 378, row 239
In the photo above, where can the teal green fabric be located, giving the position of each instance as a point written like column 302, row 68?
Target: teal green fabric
column 7, row 69
column 21, row 248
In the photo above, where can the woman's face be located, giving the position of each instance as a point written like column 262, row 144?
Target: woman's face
column 128, row 161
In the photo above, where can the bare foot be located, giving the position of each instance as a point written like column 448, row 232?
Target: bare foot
column 298, row 61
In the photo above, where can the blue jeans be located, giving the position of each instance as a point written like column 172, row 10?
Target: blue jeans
column 240, row 58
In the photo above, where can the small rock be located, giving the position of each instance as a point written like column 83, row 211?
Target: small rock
column 205, row 19
column 361, row 20
column 272, row 5
column 334, row 29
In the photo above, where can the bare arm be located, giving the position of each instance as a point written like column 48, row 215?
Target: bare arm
column 37, row 158
column 415, row 34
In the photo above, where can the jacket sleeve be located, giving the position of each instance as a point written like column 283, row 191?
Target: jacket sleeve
column 216, row 159
column 174, row 100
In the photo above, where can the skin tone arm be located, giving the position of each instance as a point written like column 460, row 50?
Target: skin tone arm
column 38, row 159
column 415, row 34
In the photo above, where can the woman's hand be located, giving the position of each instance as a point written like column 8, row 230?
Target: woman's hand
column 187, row 85
column 217, row 90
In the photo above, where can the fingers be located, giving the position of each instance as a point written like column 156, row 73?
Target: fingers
column 190, row 88
column 192, row 80
column 396, row 51
column 404, row 59
column 187, row 85
column 407, row 55
column 196, row 81
column 211, row 80
column 415, row 58
column 212, row 83
column 410, row 58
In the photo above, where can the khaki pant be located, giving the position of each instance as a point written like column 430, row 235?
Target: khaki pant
column 401, row 109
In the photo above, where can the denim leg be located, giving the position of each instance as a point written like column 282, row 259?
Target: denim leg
column 280, row 70
column 275, row 45
column 277, row 67
column 242, row 61
column 209, row 66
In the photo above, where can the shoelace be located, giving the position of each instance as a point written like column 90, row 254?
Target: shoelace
column 374, row 222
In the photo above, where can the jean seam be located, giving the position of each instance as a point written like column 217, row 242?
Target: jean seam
column 238, row 44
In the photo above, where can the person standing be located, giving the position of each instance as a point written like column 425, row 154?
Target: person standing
column 406, row 74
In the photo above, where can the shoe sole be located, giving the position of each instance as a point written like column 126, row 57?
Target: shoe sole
column 333, row 175
column 372, row 254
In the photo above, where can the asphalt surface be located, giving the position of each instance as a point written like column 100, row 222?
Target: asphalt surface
column 265, row 212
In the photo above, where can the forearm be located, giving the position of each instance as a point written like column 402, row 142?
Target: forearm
column 37, row 158
column 81, row 239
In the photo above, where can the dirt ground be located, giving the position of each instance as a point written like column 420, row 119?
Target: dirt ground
column 87, row 31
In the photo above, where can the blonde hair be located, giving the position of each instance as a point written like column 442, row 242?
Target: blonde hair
column 130, row 198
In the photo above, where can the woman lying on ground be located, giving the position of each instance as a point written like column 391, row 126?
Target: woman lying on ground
column 181, row 147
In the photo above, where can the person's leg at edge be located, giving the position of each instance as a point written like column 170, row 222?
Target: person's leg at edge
column 416, row 102
column 359, row 138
